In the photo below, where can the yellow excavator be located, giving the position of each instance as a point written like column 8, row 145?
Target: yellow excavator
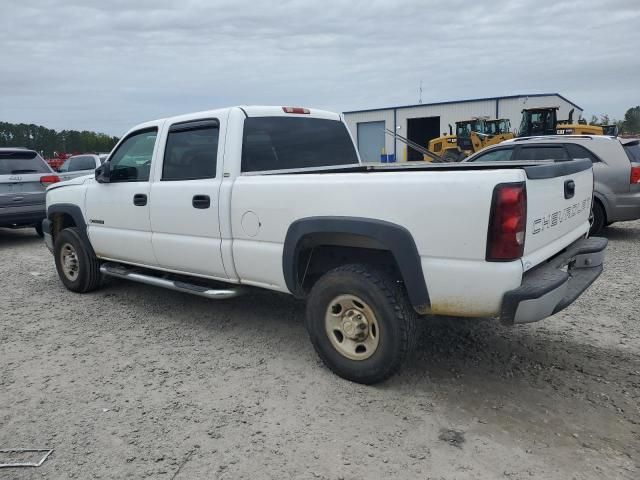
column 544, row 121
column 471, row 136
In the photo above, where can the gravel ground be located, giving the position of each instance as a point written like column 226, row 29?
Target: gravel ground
column 134, row 381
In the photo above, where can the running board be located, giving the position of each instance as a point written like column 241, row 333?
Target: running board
column 119, row 271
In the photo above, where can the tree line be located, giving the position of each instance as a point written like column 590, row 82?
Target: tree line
column 630, row 124
column 49, row 142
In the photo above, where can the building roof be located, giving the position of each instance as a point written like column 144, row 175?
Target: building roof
column 466, row 101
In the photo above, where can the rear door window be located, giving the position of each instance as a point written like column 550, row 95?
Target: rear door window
column 557, row 153
column 498, row 155
column 16, row 162
column 578, row 151
column 192, row 151
column 82, row 163
column 281, row 143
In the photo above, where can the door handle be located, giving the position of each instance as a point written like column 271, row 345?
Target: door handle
column 140, row 199
column 569, row 189
column 201, row 201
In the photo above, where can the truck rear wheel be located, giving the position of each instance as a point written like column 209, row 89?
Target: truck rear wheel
column 599, row 219
column 77, row 265
column 360, row 323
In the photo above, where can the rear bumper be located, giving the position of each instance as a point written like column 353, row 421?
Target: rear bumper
column 554, row 285
column 624, row 207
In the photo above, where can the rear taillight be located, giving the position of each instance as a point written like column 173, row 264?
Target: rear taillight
column 635, row 175
column 48, row 180
column 507, row 222
column 296, row 110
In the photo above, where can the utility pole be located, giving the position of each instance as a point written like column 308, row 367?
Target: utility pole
column 420, row 100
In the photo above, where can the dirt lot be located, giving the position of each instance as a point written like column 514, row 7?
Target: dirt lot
column 134, row 381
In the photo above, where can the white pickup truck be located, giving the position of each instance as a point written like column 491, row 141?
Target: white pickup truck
column 216, row 203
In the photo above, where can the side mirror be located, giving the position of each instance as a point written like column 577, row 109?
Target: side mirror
column 103, row 173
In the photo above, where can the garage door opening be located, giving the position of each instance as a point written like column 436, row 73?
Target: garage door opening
column 420, row 131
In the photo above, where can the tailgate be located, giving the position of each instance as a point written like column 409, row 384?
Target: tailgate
column 558, row 208
column 19, row 190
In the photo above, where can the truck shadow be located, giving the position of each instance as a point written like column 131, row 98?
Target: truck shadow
column 472, row 371
column 447, row 348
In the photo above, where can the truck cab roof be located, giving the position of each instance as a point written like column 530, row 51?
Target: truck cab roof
column 248, row 110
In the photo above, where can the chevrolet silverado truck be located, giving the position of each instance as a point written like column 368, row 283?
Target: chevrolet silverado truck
column 220, row 202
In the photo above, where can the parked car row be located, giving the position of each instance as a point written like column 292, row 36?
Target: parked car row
column 616, row 168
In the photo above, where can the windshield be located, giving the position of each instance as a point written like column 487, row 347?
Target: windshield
column 21, row 161
column 495, row 127
column 537, row 122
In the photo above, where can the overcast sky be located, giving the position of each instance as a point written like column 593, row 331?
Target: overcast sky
column 107, row 65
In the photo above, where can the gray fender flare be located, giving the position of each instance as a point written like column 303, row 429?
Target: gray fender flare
column 386, row 235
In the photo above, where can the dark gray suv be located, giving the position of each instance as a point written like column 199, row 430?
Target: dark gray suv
column 24, row 177
column 616, row 168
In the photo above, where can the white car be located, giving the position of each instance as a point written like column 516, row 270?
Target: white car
column 215, row 202
column 78, row 166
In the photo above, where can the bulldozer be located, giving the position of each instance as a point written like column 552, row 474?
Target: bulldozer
column 471, row 136
column 442, row 144
column 544, row 121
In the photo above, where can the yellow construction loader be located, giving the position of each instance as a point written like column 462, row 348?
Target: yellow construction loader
column 544, row 121
column 471, row 136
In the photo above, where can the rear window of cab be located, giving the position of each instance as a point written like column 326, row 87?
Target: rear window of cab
column 283, row 143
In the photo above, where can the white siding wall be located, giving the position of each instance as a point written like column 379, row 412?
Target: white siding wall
column 510, row 108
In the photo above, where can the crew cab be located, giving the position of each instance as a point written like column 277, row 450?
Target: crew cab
column 219, row 202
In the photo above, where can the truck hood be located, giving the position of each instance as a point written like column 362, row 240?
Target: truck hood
column 73, row 181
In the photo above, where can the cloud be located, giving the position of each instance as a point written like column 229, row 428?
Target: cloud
column 106, row 65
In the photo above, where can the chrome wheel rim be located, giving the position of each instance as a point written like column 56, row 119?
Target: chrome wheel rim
column 352, row 327
column 69, row 262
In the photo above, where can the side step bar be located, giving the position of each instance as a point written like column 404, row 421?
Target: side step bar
column 119, row 271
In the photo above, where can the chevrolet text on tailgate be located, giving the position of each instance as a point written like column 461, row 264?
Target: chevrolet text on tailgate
column 216, row 203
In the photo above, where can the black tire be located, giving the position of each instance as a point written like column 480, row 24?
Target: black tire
column 393, row 314
column 87, row 273
column 39, row 231
column 599, row 219
column 451, row 156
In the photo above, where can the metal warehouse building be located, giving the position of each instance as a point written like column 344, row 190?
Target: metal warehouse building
column 423, row 122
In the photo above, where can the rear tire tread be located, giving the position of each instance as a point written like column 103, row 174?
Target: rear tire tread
column 405, row 318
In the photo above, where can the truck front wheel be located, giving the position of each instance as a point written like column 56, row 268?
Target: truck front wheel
column 360, row 323
column 77, row 265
